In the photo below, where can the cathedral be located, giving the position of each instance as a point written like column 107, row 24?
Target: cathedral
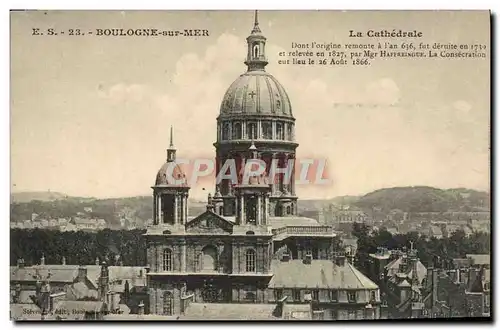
column 250, row 245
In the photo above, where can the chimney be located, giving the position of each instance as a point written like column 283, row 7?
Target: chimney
column 17, row 293
column 340, row 260
column 434, row 285
column 285, row 257
column 280, row 307
column 20, row 263
column 141, row 308
column 82, row 273
column 472, row 277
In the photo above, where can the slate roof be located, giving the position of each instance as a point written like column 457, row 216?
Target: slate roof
column 68, row 273
column 279, row 222
column 436, row 231
column 318, row 274
column 393, row 269
column 461, row 262
column 200, row 311
column 80, row 290
column 479, row 259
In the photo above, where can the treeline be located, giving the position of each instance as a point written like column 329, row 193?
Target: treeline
column 78, row 248
column 430, row 250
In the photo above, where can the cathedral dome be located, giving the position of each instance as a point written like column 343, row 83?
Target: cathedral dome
column 169, row 173
column 256, row 92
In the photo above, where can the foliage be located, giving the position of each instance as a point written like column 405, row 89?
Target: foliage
column 448, row 248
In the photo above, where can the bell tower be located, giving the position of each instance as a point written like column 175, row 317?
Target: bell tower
column 256, row 110
column 170, row 192
column 252, row 195
column 256, row 43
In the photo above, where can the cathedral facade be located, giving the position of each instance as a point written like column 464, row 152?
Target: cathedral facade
column 249, row 246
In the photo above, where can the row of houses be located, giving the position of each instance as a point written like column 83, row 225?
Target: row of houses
column 72, row 292
column 62, row 224
column 73, row 224
column 412, row 290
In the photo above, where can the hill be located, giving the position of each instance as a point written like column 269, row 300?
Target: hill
column 139, row 209
column 425, row 199
column 27, row 196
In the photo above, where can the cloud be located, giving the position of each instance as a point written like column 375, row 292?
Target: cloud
column 122, row 93
column 366, row 147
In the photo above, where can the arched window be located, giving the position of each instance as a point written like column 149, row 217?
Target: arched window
column 167, row 260
column 250, row 260
column 252, row 131
column 267, row 130
column 225, row 131
column 288, row 209
column 236, row 131
column 168, row 303
column 280, row 133
column 290, row 132
column 255, row 50
column 209, row 259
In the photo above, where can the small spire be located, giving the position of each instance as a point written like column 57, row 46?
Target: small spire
column 171, row 137
column 171, row 148
column 253, row 150
column 256, row 28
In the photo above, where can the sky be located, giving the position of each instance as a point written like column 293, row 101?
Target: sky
column 90, row 116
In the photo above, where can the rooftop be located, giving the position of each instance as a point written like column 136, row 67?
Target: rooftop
column 318, row 274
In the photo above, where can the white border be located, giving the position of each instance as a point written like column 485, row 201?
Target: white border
column 185, row 4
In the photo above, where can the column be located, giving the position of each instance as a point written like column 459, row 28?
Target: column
column 259, row 210
column 242, row 210
column 259, row 129
column 266, row 208
column 284, row 184
column 176, row 204
column 183, row 257
column 160, row 210
column 243, row 129
column 242, row 170
column 185, row 208
column 274, row 163
column 181, row 205
column 155, row 209
column 292, row 182
column 274, row 129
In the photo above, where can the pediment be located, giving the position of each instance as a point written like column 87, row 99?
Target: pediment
column 209, row 222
